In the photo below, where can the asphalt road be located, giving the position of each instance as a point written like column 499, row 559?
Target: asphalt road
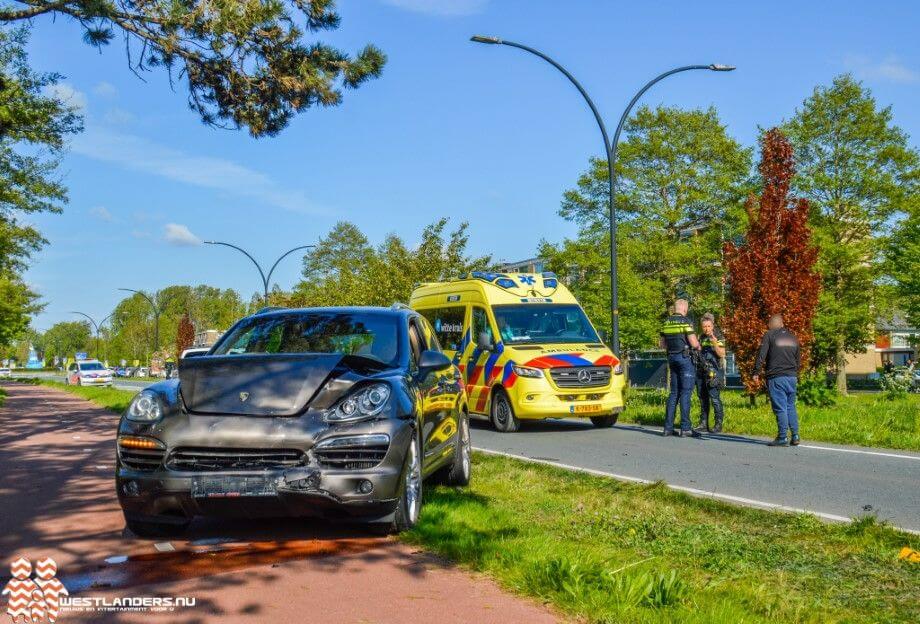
column 835, row 482
column 832, row 481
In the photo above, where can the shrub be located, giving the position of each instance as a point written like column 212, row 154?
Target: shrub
column 814, row 392
column 897, row 383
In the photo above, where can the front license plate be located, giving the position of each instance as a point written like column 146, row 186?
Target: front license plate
column 590, row 408
column 232, row 487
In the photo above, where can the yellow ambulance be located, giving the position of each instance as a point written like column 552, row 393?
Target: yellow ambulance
column 525, row 348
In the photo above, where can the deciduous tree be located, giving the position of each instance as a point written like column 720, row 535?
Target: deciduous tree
column 681, row 180
column 247, row 63
column 773, row 270
column 859, row 174
column 185, row 334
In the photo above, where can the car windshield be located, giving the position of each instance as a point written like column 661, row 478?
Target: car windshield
column 543, row 323
column 92, row 366
column 349, row 333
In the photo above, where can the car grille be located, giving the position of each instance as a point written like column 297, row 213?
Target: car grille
column 141, row 459
column 216, row 459
column 569, row 377
column 351, row 457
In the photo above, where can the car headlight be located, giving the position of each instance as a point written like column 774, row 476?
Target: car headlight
column 618, row 369
column 526, row 371
column 145, row 407
column 365, row 403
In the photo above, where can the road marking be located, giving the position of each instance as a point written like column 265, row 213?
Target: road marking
column 843, row 450
column 164, row 546
column 747, row 502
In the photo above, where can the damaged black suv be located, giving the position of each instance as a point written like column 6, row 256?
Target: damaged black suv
column 331, row 412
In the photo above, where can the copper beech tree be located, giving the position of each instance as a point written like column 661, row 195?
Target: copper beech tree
column 772, row 270
column 185, row 334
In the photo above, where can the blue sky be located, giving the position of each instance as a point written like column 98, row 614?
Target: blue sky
column 485, row 134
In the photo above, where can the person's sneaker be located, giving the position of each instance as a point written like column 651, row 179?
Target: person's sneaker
column 693, row 433
column 717, row 428
column 667, row 432
column 702, row 429
column 778, row 442
column 795, row 440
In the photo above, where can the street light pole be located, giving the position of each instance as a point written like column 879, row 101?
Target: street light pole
column 156, row 316
column 610, row 150
column 266, row 277
column 97, row 327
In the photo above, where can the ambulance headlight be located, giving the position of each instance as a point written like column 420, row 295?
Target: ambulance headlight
column 618, row 369
column 526, row 371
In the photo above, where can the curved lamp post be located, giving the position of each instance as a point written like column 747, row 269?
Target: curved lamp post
column 610, row 150
column 266, row 277
column 96, row 326
column 156, row 316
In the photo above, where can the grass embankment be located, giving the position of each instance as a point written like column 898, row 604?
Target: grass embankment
column 2, row 396
column 605, row 551
column 113, row 399
column 861, row 419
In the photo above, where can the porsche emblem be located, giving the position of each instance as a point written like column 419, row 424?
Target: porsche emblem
column 244, row 396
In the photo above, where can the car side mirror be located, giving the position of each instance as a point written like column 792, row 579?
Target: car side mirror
column 484, row 341
column 431, row 361
column 602, row 333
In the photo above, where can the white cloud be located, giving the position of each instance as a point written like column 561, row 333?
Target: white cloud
column 140, row 154
column 101, row 212
column 68, row 95
column 444, row 8
column 105, row 89
column 118, row 117
column 890, row 69
column 178, row 234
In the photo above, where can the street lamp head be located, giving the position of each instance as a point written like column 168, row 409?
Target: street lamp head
column 484, row 39
column 717, row 67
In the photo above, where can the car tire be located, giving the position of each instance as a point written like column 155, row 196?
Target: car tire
column 143, row 528
column 411, row 487
column 604, row 422
column 458, row 473
column 501, row 413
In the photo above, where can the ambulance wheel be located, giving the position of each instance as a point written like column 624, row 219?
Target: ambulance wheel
column 502, row 414
column 604, row 422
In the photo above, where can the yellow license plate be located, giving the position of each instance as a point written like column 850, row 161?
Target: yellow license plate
column 586, row 409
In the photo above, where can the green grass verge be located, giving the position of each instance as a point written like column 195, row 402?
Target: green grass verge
column 860, row 419
column 113, row 399
column 604, row 551
column 2, row 396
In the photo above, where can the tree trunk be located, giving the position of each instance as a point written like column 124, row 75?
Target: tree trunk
column 753, row 399
column 841, row 370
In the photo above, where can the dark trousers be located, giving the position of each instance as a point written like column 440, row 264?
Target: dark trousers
column 683, row 377
column 709, row 396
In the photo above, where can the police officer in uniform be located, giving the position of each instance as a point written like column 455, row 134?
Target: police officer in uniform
column 713, row 350
column 678, row 338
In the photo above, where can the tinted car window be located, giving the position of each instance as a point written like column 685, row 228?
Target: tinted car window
column 541, row 323
column 351, row 333
column 480, row 324
column 448, row 325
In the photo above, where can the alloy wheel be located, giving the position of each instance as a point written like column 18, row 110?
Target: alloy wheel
column 465, row 446
column 413, row 483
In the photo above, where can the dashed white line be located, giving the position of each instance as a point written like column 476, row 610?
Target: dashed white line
column 748, row 502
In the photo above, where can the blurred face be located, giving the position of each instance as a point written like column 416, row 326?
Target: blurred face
column 707, row 327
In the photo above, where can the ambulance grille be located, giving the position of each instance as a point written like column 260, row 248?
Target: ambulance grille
column 581, row 376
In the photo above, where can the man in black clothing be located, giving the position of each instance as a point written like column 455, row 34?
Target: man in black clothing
column 709, row 378
column 678, row 338
column 781, row 354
